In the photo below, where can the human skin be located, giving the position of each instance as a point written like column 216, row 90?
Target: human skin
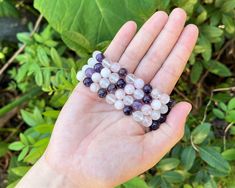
column 94, row 145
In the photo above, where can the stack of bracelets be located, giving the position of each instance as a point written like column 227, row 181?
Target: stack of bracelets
column 148, row 106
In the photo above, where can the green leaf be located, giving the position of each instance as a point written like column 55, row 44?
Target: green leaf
column 229, row 24
column 96, row 20
column 23, row 153
column 228, row 5
column 3, row 148
column 16, row 146
column 201, row 17
column 229, row 154
column 24, row 37
column 168, row 164
column 214, row 159
column 205, row 44
column 136, row 183
column 56, row 57
column 230, row 116
column 217, row 68
column 42, row 56
column 21, row 170
column 211, row 32
column 188, row 156
column 231, row 104
column 7, row 9
column 173, row 177
column 196, row 72
column 218, row 113
column 23, row 139
column 201, row 132
column 28, row 118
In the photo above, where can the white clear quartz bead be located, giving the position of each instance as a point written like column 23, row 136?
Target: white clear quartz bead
column 80, row 75
column 105, row 72
column 155, row 93
column 155, row 115
column 106, row 63
column 164, row 98
column 113, row 78
column 95, row 53
column 115, row 67
column 120, row 94
column 164, row 109
column 147, row 121
column 156, row 104
column 96, row 77
column 129, row 89
column 146, row 109
column 119, row 105
column 94, row 87
column 139, row 83
column 91, row 62
column 138, row 116
column 138, row 94
column 128, row 100
column 104, row 82
column 110, row 98
column 130, row 78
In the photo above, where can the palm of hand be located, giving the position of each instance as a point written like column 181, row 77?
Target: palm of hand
column 95, row 143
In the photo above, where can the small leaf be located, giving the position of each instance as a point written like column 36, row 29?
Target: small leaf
column 136, row 183
column 56, row 57
column 229, row 154
column 3, row 148
column 218, row 113
column 23, row 153
column 16, row 146
column 42, row 56
column 230, row 116
column 168, row 164
column 231, row 104
column 28, row 118
column 21, row 170
column 201, row 132
column 229, row 24
column 228, row 5
column 173, row 177
column 187, row 157
column 196, row 72
column 23, row 139
column 212, row 33
column 217, row 68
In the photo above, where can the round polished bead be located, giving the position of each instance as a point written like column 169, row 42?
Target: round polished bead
column 138, row 94
column 162, row 119
column 91, row 62
column 129, row 89
column 130, row 78
column 155, row 93
column 147, row 121
column 122, row 72
column 138, row 116
column 155, row 125
column 95, row 53
column 137, row 105
column 121, row 83
column 104, row 82
column 102, row 92
column 147, row 99
column 85, row 67
column 120, row 94
column 111, row 88
column 89, row 72
column 156, row 104
column 105, row 72
column 155, row 115
column 96, row 77
column 113, row 78
column 127, row 110
column 100, row 57
column 139, row 83
column 106, row 63
column 98, row 67
column 110, row 98
column 128, row 100
column 94, row 87
column 119, row 105
column 164, row 109
column 164, row 98
column 87, row 81
column 115, row 67
column 147, row 88
column 80, row 75
column 146, row 109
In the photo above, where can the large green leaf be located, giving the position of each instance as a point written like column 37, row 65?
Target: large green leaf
column 97, row 20
column 7, row 9
column 187, row 157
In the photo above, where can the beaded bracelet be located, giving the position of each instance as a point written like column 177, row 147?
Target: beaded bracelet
column 125, row 91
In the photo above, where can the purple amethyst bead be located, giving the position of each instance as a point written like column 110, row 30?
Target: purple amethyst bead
column 155, row 125
column 102, row 92
column 147, row 88
column 98, row 67
column 121, row 83
column 87, row 81
column 147, row 99
column 122, row 72
column 89, row 72
column 99, row 57
column 137, row 105
column 112, row 88
column 127, row 110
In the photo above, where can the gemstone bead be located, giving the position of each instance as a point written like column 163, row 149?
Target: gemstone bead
column 156, row 104
column 95, row 53
column 100, row 57
column 146, row 109
column 164, row 109
column 170, row 104
column 119, row 105
column 138, row 116
column 147, row 88
column 96, row 77
column 121, row 83
column 130, row 78
column 139, row 83
column 80, row 76
column 94, row 87
column 162, row 119
column 104, row 82
column 98, row 67
column 122, row 72
column 155, row 115
column 102, row 92
column 106, row 63
column 128, row 100
column 129, row 89
column 138, row 94
column 147, row 99
column 112, row 88
column 137, row 105
column 155, row 93
column 120, row 94
column 115, row 67
column 105, row 72
column 91, row 62
column 127, row 110
column 85, row 67
column 89, row 72
column 110, row 98
column 113, row 78
column 147, row 121
column 164, row 98
column 87, row 81
column 155, row 125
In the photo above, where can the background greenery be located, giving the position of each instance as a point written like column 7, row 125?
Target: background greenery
column 37, row 83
